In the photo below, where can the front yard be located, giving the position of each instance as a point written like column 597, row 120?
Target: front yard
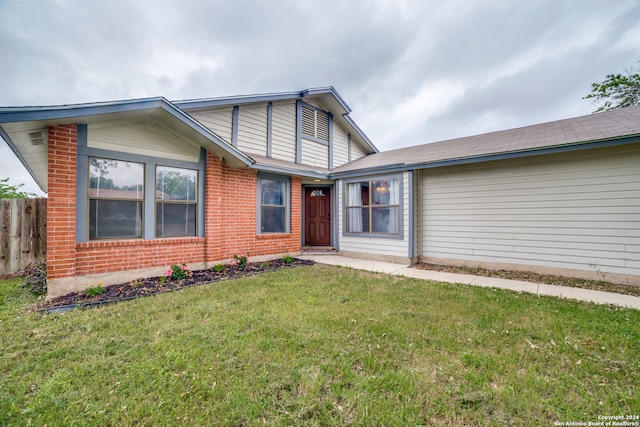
column 319, row 345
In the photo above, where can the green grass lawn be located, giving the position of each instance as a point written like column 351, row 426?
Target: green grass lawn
column 319, row 345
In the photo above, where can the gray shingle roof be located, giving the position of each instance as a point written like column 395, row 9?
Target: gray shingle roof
column 610, row 125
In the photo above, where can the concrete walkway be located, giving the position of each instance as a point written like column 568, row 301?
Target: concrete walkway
column 597, row 297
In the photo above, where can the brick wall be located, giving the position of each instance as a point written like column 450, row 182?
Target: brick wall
column 231, row 213
column 61, row 204
column 105, row 256
column 230, row 222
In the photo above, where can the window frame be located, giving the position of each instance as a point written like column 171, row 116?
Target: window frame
column 83, row 176
column 157, row 201
column 286, row 200
column 90, row 198
column 370, row 207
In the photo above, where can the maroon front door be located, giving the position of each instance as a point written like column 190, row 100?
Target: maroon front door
column 317, row 216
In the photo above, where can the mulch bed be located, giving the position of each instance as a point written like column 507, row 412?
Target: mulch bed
column 527, row 276
column 153, row 285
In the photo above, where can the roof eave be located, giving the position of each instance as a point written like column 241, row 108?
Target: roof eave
column 401, row 167
column 82, row 113
column 195, row 104
column 66, row 112
column 364, row 137
column 289, row 171
column 20, row 157
column 237, row 158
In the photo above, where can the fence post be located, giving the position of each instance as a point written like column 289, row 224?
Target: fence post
column 23, row 233
column 14, row 245
column 5, row 219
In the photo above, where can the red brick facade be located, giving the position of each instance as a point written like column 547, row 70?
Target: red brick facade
column 231, row 214
column 61, row 203
column 230, row 222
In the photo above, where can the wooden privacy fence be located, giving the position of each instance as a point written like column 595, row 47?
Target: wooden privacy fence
column 23, row 234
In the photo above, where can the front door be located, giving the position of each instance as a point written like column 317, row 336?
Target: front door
column 317, row 216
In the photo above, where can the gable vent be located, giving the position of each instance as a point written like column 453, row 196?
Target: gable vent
column 308, row 121
column 38, row 137
column 322, row 126
column 315, row 123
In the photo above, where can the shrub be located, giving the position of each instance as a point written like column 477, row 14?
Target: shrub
column 288, row 259
column 178, row 272
column 218, row 268
column 240, row 261
column 94, row 290
column 35, row 278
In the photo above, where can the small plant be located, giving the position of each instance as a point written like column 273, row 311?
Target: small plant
column 240, row 261
column 163, row 279
column 136, row 283
column 178, row 272
column 288, row 259
column 265, row 264
column 94, row 290
column 218, row 268
column 35, row 278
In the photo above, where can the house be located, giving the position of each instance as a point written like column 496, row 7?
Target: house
column 136, row 185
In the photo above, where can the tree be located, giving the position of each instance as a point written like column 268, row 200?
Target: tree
column 616, row 91
column 8, row 191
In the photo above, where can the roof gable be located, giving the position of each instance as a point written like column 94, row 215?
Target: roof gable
column 16, row 122
column 327, row 96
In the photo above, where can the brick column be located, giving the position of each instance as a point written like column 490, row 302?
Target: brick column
column 61, row 204
column 213, row 208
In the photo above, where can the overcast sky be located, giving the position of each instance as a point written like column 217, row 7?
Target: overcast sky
column 413, row 71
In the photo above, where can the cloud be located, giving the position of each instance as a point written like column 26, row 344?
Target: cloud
column 413, row 71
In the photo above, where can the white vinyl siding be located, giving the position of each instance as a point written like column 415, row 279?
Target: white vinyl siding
column 315, row 154
column 315, row 103
column 146, row 138
column 576, row 210
column 252, row 129
column 340, row 146
column 375, row 245
column 283, row 137
column 219, row 121
column 356, row 151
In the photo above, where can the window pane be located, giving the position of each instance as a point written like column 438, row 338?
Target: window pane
column 384, row 220
column 175, row 219
column 358, row 220
column 273, row 192
column 272, row 219
column 115, row 179
column 358, row 194
column 176, row 184
column 385, row 192
column 109, row 219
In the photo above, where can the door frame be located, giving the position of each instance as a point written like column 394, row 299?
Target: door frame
column 331, row 209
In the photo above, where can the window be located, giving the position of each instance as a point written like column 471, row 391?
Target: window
column 116, row 190
column 373, row 206
column 273, row 205
column 176, row 201
column 315, row 123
